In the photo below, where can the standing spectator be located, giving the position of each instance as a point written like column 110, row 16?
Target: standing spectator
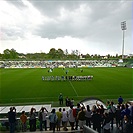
column 131, row 113
column 71, row 117
column 120, row 100
column 60, row 99
column 42, row 118
column 53, row 120
column 66, row 101
column 118, row 116
column 23, row 119
column 59, row 115
column 64, row 119
column 69, row 102
column 94, row 108
column 72, row 101
column 81, row 118
column 108, row 105
column 106, row 123
column 88, row 115
column 96, row 120
column 77, row 111
column 32, row 119
column 126, row 125
column 112, row 113
column 101, row 108
column 12, row 119
column 125, row 111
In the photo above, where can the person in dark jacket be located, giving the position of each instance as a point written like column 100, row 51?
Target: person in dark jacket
column 96, row 120
column 12, row 119
column 106, row 122
column 81, row 117
column 126, row 125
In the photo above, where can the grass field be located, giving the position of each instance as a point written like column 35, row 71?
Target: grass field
column 22, row 86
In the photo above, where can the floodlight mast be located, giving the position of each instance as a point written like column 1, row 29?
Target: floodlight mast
column 123, row 27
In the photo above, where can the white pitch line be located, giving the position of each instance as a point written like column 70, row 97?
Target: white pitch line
column 73, row 88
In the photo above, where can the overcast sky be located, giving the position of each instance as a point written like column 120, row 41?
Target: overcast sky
column 92, row 27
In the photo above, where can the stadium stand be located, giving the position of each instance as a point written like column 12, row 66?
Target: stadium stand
column 4, row 126
column 59, row 64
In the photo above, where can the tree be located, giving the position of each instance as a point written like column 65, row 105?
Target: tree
column 13, row 54
column 60, row 53
column 10, row 54
column 52, row 53
column 6, row 54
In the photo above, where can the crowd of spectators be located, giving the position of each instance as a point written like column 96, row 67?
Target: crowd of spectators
column 98, row 118
column 56, row 64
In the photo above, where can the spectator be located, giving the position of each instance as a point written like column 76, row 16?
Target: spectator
column 131, row 113
column 126, row 125
column 53, row 120
column 77, row 111
column 96, row 120
column 64, row 119
column 42, row 118
column 106, row 123
column 72, row 102
column 71, row 117
column 23, row 119
column 59, row 115
column 125, row 111
column 88, row 115
column 108, row 105
column 112, row 113
column 32, row 119
column 12, row 119
column 120, row 100
column 118, row 116
column 81, row 117
column 67, row 101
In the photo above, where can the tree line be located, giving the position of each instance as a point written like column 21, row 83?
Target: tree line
column 53, row 54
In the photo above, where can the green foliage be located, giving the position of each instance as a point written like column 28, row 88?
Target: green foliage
column 10, row 54
column 26, row 85
column 54, row 54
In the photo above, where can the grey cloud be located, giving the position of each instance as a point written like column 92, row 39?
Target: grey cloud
column 12, row 33
column 103, row 17
column 101, row 25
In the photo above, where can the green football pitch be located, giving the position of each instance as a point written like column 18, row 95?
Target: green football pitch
column 23, row 86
